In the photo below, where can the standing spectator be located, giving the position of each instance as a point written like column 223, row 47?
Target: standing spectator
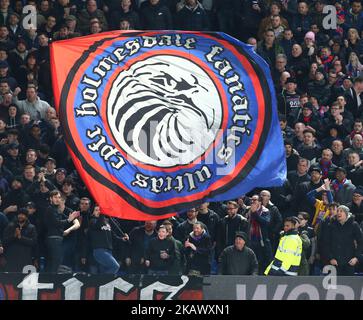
column 19, row 241
column 155, row 16
column 55, row 228
column 288, row 100
column 326, row 165
column 197, row 251
column 321, row 206
column 354, row 168
column 186, row 227
column 101, row 242
column 229, row 225
column 354, row 67
column 140, row 238
column 299, row 175
column 32, row 104
column 161, row 254
column 301, row 21
column 342, row 187
column 268, row 48
column 309, row 231
column 192, row 17
column 259, row 218
column 178, row 265
column 288, row 255
column 356, row 205
column 345, row 242
column 338, row 157
column 309, row 148
column 125, row 12
column 275, row 224
column 238, row 259
column 90, row 12
column 353, row 96
column 306, row 246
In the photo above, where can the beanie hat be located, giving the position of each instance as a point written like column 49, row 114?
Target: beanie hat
column 345, row 209
column 310, row 35
column 242, row 235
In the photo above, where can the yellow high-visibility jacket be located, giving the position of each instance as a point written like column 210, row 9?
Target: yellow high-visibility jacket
column 288, row 255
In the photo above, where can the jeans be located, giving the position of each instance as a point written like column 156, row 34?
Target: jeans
column 54, row 245
column 106, row 261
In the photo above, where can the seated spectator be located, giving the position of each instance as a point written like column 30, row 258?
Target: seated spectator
column 161, row 254
column 19, row 240
column 238, row 259
column 338, row 156
column 197, row 251
column 345, row 242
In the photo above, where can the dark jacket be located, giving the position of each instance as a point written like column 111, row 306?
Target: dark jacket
column 210, row 220
column 192, row 19
column 199, row 259
column 100, row 233
column 238, row 262
column 19, row 252
column 137, row 249
column 156, row 17
column 345, row 241
column 227, row 229
column 153, row 254
column 54, row 224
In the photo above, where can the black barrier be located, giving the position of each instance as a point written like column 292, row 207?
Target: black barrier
column 35, row 286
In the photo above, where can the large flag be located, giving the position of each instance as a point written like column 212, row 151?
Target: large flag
column 157, row 122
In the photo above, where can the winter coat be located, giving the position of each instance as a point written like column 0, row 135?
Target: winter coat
column 345, row 240
column 156, row 17
column 238, row 262
column 198, row 260
column 19, row 252
column 153, row 254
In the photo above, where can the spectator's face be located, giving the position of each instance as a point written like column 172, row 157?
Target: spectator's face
column 125, row 5
column 67, row 188
column 91, row 6
column 63, row 32
column 3, row 72
column 169, row 230
column 357, row 141
column 95, row 28
column 162, row 233
column 84, row 205
column 315, row 176
column 203, row 206
column 60, row 176
column 4, row 4
column 357, row 198
column 283, row 125
column 319, row 76
column 337, row 147
column 29, row 174
column 154, row 2
column 231, row 210
column 197, row 230
column 307, row 112
column 4, row 32
column 288, row 226
column 124, row 25
column 4, row 88
column 340, row 175
column 31, row 157
column 302, row 221
column 288, row 35
column 291, row 87
column 334, row 111
column 13, row 152
column 303, row 100
column 35, row 132
column 192, row 213
column 266, row 196
column 296, row 50
column 353, row 158
column 31, row 94
column 302, row 167
column 358, row 86
column 333, row 132
column 356, row 7
column 3, row 54
column 16, row 185
column 280, row 64
column 269, row 37
column 341, row 215
column 22, row 218
column 51, row 22
column 239, row 243
column 327, row 155
column 21, row 47
column 358, row 126
column 51, row 113
column 338, row 66
column 96, row 211
column 341, row 101
column 299, row 128
column 12, row 111
column 50, row 166
column 319, row 7
column 308, row 137
column 302, row 8
column 150, row 226
column 191, row 3
column 288, row 149
column 44, row 6
column 13, row 20
column 274, row 9
column 276, row 21
column 43, row 40
column 25, row 119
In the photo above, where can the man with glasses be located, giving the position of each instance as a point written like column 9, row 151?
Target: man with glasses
column 229, row 225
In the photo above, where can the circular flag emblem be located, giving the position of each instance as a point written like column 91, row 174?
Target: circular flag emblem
column 165, row 120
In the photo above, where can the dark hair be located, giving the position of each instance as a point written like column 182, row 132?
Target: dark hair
column 304, row 214
column 54, row 193
column 291, row 219
column 233, row 203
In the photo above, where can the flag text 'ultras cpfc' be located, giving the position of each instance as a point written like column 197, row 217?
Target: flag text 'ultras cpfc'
column 158, row 122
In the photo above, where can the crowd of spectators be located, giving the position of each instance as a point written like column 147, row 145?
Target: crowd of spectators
column 48, row 218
